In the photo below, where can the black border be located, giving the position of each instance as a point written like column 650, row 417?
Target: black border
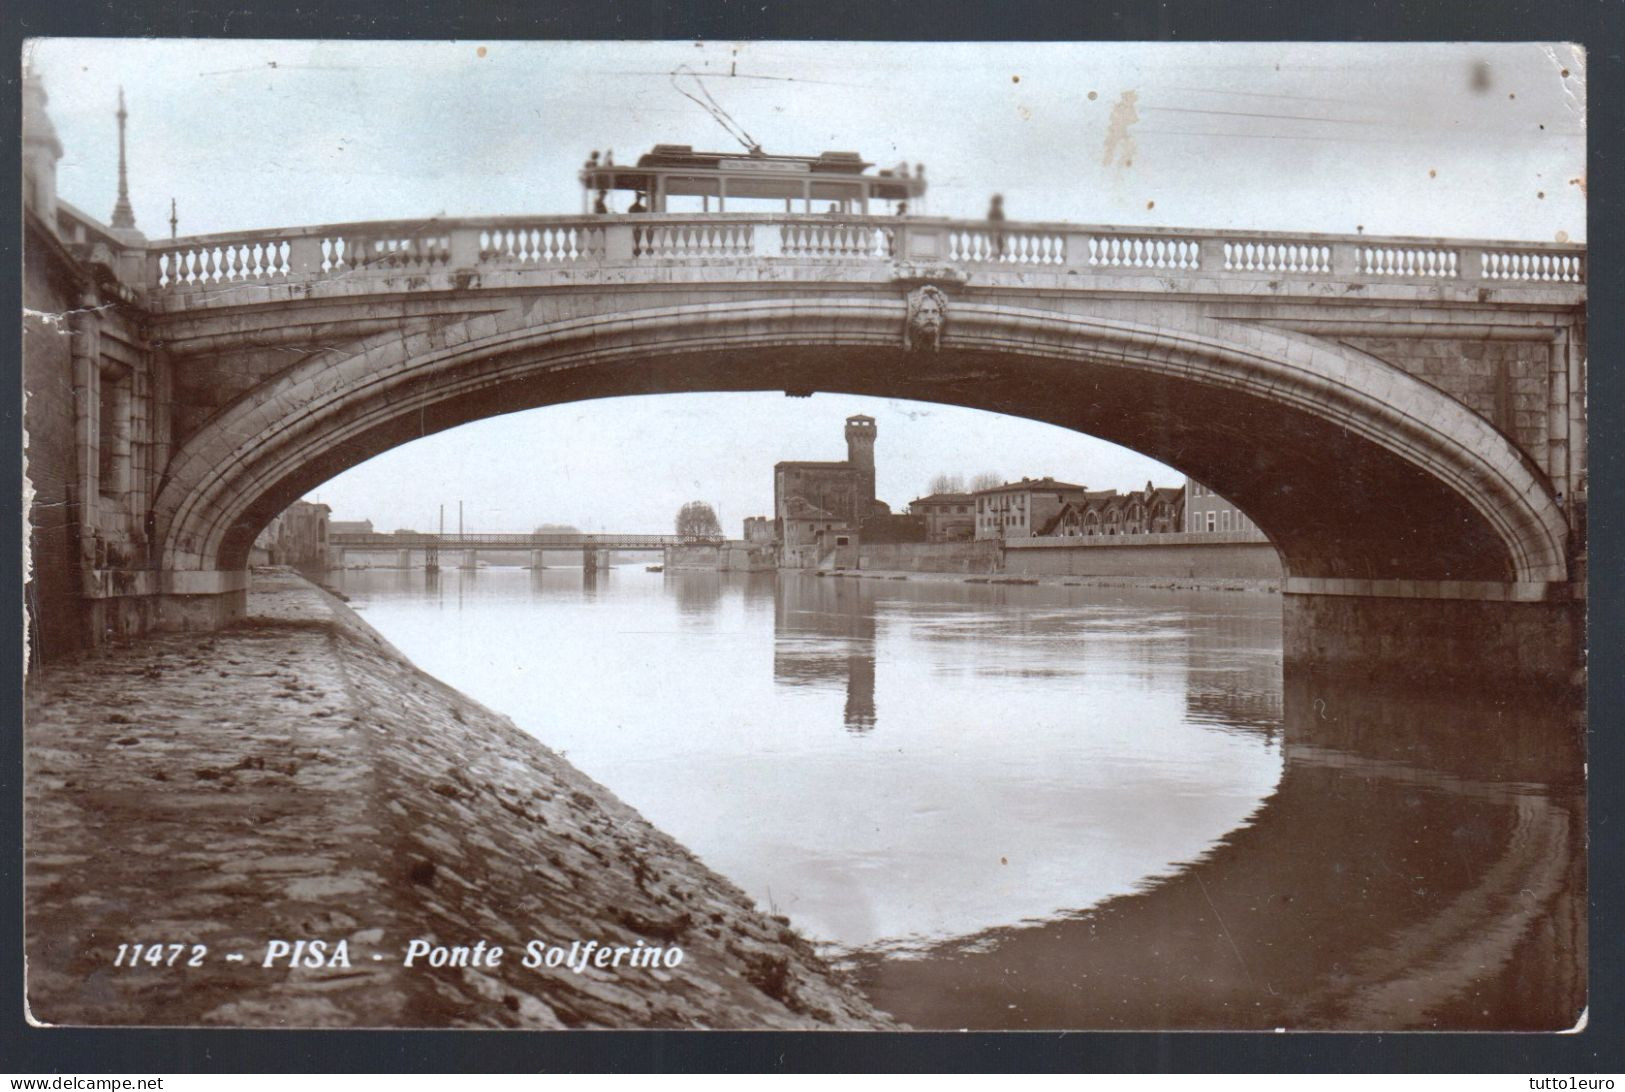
column 1596, row 24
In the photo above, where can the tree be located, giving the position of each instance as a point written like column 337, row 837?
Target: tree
column 987, row 479
column 948, row 483
column 697, row 519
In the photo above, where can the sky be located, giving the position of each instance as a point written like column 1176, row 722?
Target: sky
column 1483, row 141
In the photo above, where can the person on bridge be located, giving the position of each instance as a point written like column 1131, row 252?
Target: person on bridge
column 637, row 232
column 599, row 206
column 995, row 216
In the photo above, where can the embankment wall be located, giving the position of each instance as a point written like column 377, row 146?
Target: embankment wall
column 294, row 777
column 932, row 557
column 1198, row 557
column 731, row 557
column 1240, row 557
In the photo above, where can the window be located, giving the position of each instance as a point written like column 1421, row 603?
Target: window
column 1224, row 520
column 113, row 443
column 1210, row 521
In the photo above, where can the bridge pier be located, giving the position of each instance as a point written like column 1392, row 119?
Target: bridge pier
column 538, row 559
column 122, row 603
column 403, row 559
column 470, row 559
column 1494, row 637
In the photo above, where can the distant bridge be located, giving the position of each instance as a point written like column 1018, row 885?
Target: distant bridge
column 594, row 548
column 378, row 541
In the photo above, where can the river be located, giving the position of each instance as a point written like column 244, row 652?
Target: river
column 1039, row 806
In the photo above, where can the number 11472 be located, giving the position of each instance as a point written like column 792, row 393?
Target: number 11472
column 160, row 955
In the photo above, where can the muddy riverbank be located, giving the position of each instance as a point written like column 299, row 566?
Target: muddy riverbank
column 295, row 778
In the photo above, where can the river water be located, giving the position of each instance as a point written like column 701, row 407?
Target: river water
column 1045, row 806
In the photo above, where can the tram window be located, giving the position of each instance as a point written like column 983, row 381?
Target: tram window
column 693, row 185
column 690, row 193
column 845, row 197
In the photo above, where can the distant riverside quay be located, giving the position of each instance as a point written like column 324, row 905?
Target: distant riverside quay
column 1218, row 559
column 1402, row 417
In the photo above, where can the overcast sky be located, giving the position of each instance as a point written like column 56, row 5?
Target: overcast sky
column 1416, row 139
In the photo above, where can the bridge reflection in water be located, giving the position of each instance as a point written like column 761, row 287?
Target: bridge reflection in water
column 1419, row 866
column 921, row 773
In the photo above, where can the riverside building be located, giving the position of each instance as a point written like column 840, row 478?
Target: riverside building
column 1152, row 510
column 1021, row 509
column 949, row 517
column 1206, row 512
column 814, row 500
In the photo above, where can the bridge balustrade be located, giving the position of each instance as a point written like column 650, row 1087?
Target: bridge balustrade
column 334, row 252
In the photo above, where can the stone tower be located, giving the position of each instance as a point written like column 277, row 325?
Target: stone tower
column 41, row 150
column 860, row 452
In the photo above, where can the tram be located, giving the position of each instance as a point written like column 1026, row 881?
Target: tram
column 676, row 178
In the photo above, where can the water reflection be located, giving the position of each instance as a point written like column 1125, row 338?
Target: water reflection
column 698, row 594
column 1238, row 689
column 824, row 634
column 1012, row 806
column 1420, row 865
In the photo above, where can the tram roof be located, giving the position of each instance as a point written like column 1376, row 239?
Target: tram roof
column 677, row 162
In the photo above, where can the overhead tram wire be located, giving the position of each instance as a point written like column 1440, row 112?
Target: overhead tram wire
column 712, row 107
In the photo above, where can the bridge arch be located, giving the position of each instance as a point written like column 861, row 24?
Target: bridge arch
column 1306, row 435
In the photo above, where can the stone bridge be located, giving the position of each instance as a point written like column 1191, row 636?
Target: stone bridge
column 1404, row 417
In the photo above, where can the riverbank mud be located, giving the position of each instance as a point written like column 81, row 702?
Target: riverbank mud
column 295, row 778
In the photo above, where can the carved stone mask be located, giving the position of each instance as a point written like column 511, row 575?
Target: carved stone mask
column 927, row 313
